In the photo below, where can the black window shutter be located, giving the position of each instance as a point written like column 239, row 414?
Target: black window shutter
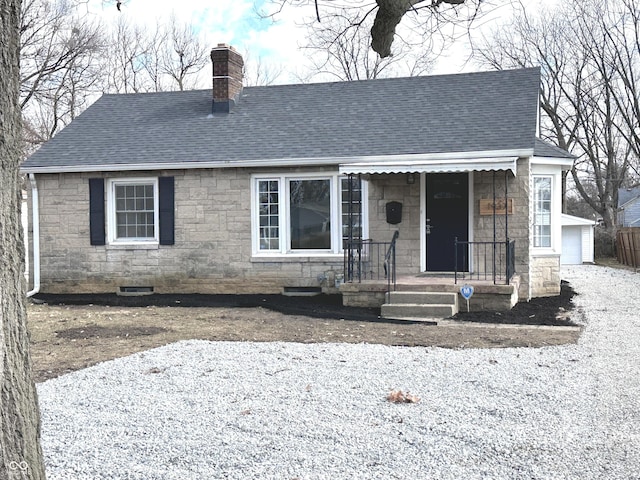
column 166, row 205
column 96, row 211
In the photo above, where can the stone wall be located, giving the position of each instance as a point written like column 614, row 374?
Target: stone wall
column 394, row 188
column 212, row 251
column 545, row 274
column 211, row 254
column 516, row 225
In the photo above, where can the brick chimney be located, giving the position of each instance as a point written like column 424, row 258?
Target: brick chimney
column 227, row 77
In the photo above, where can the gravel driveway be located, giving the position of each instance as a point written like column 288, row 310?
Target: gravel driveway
column 201, row 410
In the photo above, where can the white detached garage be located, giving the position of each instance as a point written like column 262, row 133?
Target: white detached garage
column 577, row 240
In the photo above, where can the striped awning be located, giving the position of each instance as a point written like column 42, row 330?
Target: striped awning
column 432, row 166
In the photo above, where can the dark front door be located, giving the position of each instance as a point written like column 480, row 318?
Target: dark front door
column 447, row 218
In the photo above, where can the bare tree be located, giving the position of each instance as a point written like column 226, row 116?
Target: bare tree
column 20, row 452
column 184, row 55
column 589, row 93
column 68, row 60
column 425, row 16
column 127, row 67
column 168, row 57
column 59, row 72
column 258, row 72
column 343, row 53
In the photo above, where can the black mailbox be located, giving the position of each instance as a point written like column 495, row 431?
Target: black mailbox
column 394, row 212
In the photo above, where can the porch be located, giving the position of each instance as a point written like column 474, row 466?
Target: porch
column 427, row 239
column 429, row 301
column 371, row 280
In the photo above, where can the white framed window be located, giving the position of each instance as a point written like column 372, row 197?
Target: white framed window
column 132, row 211
column 298, row 214
column 542, row 189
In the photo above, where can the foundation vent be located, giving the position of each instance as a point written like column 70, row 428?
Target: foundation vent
column 301, row 291
column 135, row 291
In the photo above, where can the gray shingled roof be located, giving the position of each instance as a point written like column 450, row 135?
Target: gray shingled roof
column 544, row 149
column 625, row 195
column 473, row 112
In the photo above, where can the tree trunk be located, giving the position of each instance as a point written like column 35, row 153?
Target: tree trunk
column 20, row 452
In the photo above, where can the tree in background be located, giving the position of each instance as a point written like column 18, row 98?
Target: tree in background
column 167, row 57
column 258, row 72
column 59, row 66
column 20, row 452
column 425, row 17
column 589, row 53
column 343, row 53
column 67, row 61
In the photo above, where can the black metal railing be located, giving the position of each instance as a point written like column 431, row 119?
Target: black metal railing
column 369, row 260
column 488, row 261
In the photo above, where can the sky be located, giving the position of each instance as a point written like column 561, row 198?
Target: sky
column 234, row 22
column 237, row 22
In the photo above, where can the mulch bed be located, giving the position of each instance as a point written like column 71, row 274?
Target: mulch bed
column 539, row 311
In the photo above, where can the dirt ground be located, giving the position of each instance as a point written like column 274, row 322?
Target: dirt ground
column 69, row 333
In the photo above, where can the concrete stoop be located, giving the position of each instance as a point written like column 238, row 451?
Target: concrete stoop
column 427, row 306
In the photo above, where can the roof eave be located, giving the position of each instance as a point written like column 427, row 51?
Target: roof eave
column 564, row 162
column 280, row 162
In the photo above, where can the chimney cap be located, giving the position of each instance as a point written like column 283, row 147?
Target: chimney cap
column 224, row 46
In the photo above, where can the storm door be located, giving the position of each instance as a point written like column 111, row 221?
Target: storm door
column 447, row 218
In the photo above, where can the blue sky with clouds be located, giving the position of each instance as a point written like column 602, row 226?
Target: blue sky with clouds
column 238, row 23
column 235, row 22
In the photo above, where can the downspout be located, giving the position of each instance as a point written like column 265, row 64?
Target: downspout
column 35, row 223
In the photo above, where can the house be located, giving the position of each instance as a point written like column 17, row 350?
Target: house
column 301, row 188
column 577, row 240
column 628, row 214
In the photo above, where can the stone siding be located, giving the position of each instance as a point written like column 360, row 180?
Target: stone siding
column 545, row 272
column 394, row 188
column 212, row 251
column 516, row 225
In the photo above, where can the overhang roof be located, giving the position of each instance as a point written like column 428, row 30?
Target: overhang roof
column 570, row 220
column 309, row 124
column 436, row 165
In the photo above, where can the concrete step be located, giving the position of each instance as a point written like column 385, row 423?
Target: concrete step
column 424, row 298
column 417, row 310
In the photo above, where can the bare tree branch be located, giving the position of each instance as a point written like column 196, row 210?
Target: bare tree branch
column 590, row 60
column 430, row 15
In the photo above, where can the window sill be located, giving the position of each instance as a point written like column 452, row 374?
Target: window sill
column 297, row 257
column 133, row 246
column 544, row 252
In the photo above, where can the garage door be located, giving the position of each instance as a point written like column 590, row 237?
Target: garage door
column 571, row 245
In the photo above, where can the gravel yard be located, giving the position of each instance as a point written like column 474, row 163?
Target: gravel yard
column 201, row 410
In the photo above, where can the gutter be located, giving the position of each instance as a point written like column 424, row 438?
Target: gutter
column 36, row 235
column 282, row 162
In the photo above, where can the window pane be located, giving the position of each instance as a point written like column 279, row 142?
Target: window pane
column 267, row 214
column 542, row 212
column 351, row 191
column 135, row 215
column 310, row 214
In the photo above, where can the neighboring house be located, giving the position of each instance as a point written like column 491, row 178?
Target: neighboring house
column 577, row 240
column 259, row 189
column 629, row 207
